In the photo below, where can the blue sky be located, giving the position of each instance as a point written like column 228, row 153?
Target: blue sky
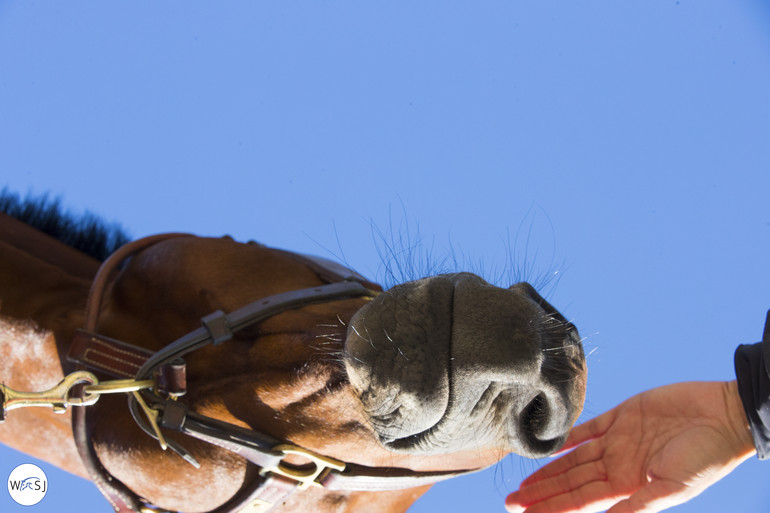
column 618, row 148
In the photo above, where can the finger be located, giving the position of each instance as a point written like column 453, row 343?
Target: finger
column 566, row 482
column 652, row 498
column 584, row 454
column 591, row 498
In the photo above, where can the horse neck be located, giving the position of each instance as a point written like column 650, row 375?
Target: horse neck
column 43, row 282
column 36, row 244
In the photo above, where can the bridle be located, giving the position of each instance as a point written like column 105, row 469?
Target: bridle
column 160, row 378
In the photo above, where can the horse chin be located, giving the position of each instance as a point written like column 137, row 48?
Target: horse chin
column 451, row 363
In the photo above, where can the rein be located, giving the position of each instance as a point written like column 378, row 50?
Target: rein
column 157, row 379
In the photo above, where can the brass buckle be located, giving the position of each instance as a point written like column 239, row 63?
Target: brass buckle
column 307, row 477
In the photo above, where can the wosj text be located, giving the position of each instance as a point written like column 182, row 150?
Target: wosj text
column 29, row 484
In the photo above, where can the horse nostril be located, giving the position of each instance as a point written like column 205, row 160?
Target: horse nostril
column 534, row 417
column 537, row 427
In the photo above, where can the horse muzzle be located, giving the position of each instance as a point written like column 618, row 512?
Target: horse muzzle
column 451, row 363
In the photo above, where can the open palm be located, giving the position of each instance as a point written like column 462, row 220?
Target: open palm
column 656, row 450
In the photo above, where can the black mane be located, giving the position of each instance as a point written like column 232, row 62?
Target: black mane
column 86, row 232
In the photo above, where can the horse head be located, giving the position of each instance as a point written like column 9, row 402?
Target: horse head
column 437, row 375
column 444, row 373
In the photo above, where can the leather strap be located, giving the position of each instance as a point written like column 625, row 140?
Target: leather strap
column 122, row 499
column 119, row 496
column 252, row 445
column 258, row 448
column 108, row 355
column 218, row 327
column 265, row 494
column 376, row 479
column 328, row 270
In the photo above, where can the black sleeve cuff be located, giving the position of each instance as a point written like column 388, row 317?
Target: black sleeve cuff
column 754, row 389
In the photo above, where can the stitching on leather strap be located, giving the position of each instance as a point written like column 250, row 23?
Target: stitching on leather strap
column 103, row 365
column 116, row 349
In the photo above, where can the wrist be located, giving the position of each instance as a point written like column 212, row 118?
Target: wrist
column 737, row 420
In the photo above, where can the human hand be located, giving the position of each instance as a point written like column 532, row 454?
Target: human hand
column 656, row 450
